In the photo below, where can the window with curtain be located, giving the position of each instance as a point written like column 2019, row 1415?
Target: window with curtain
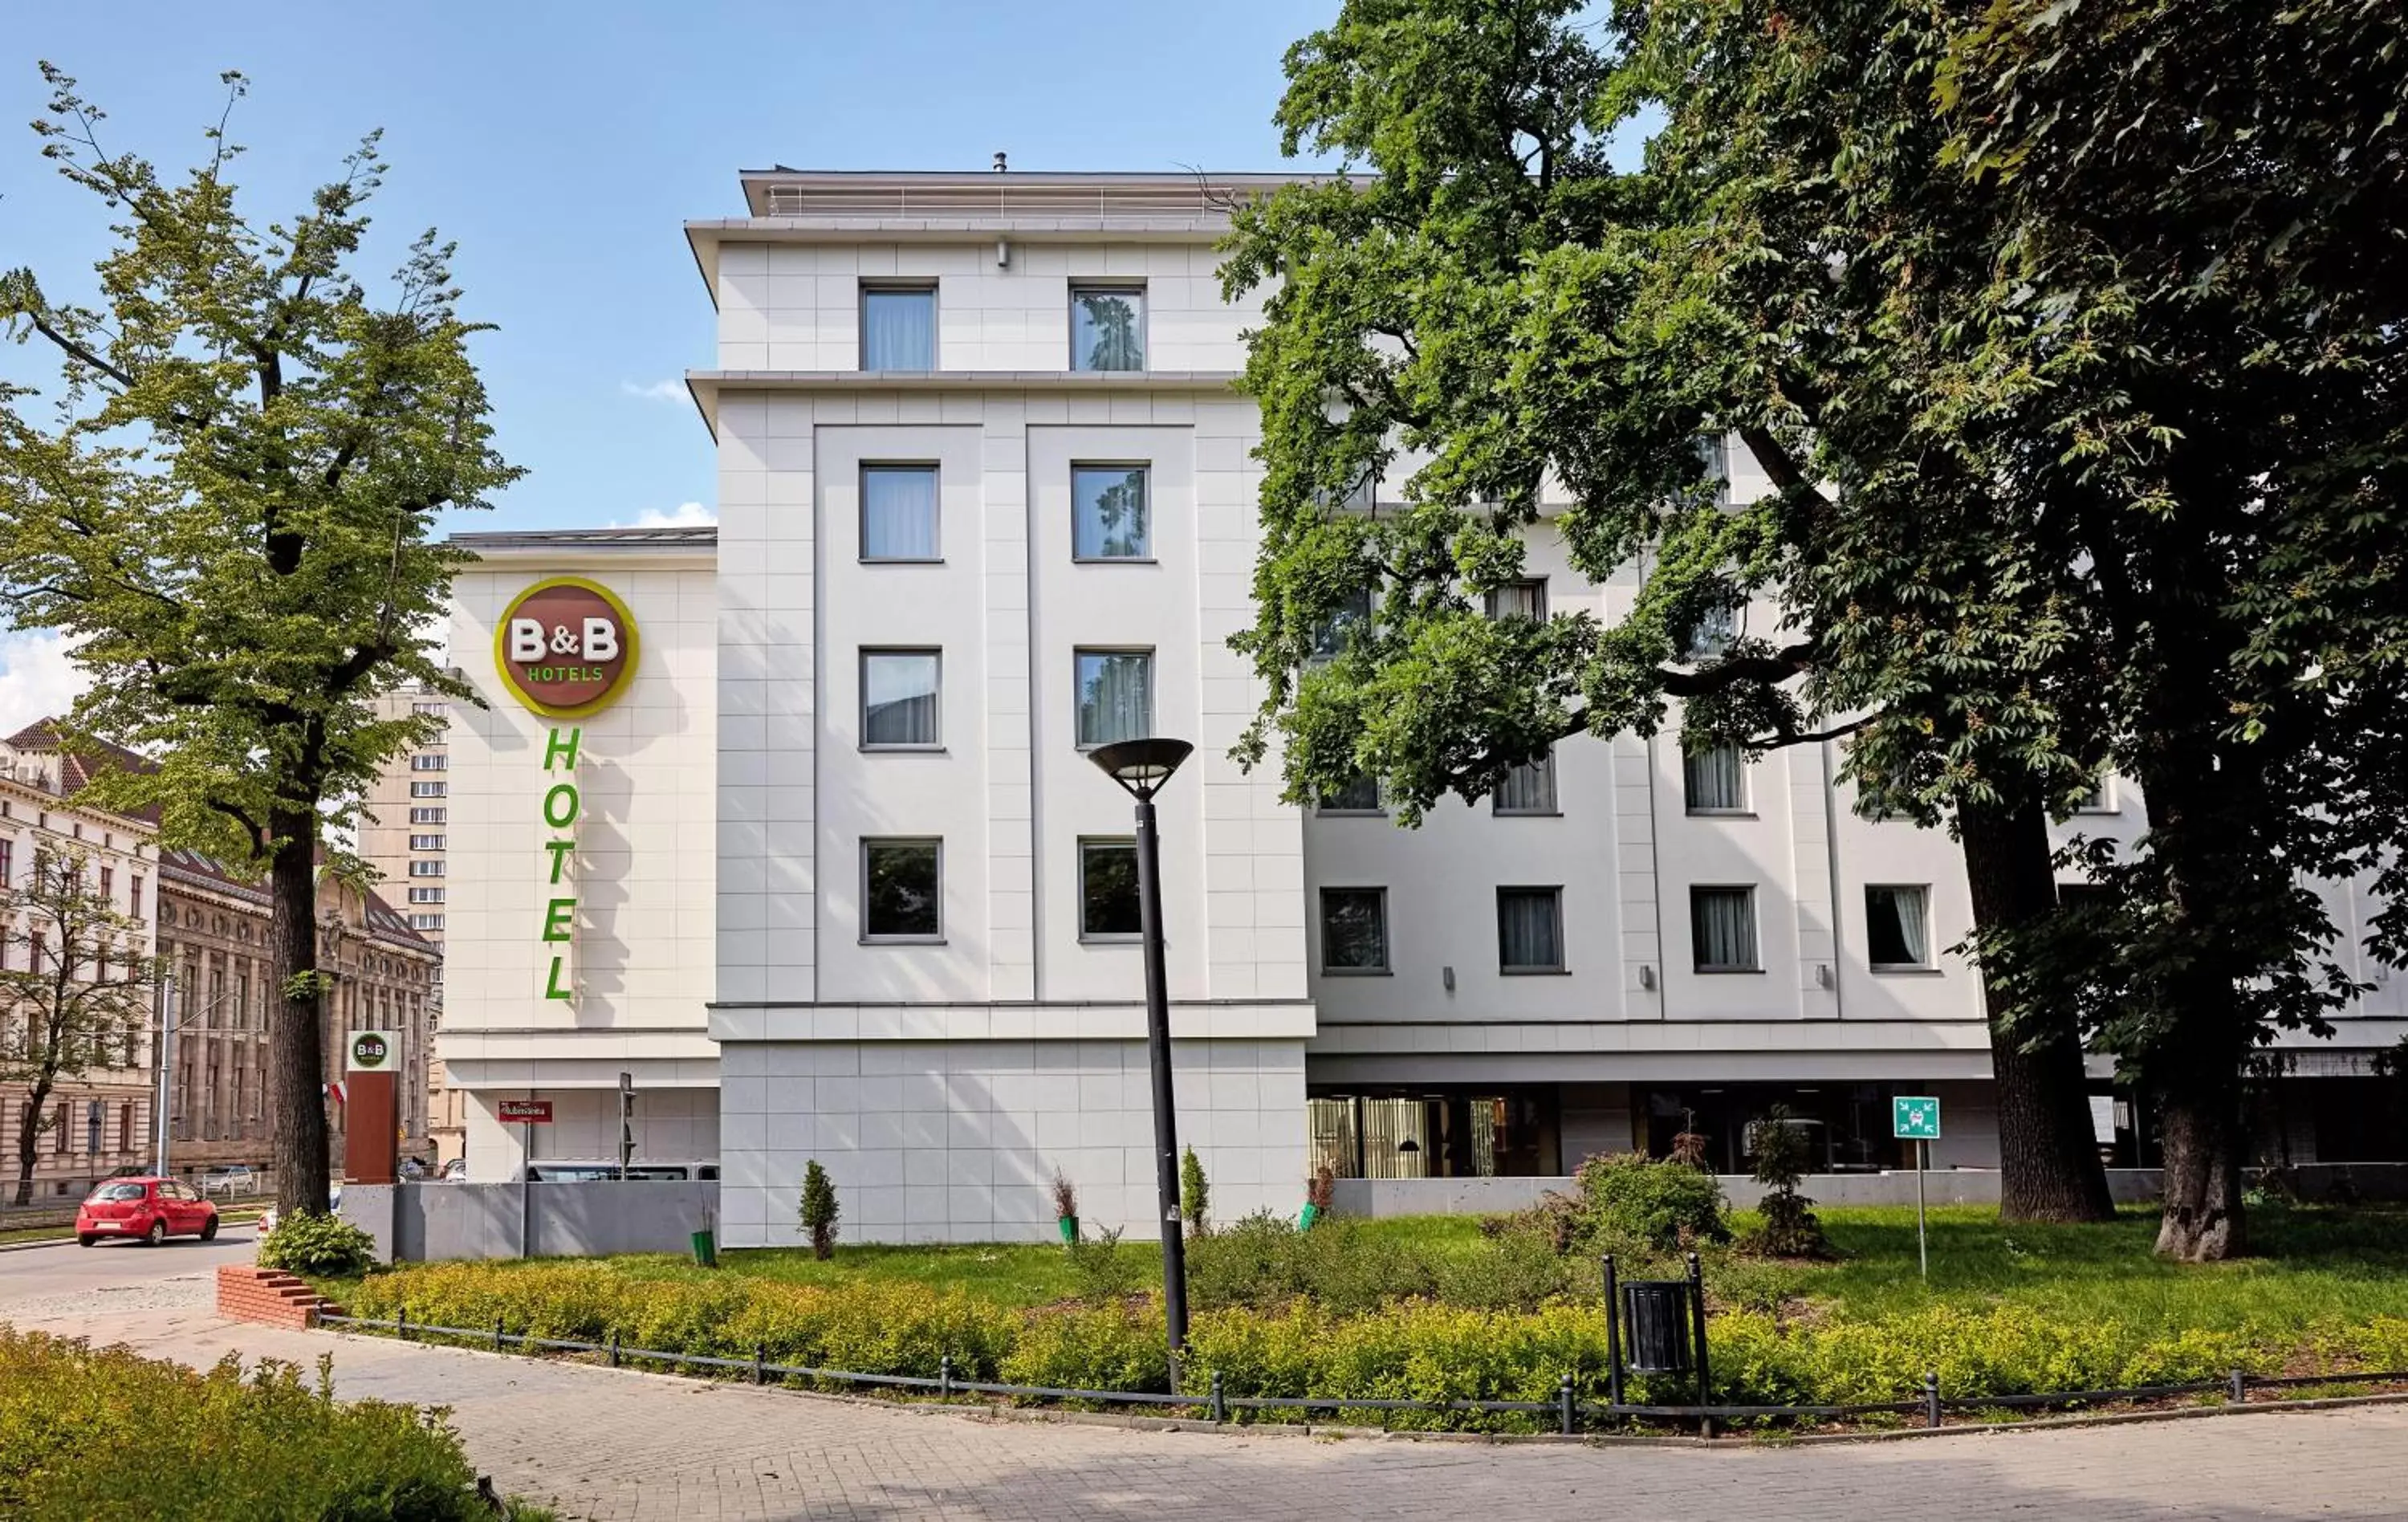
column 1715, row 780
column 1109, row 909
column 1528, row 788
column 1330, row 637
column 899, row 694
column 1107, row 328
column 1115, row 695
column 1897, row 925
column 898, row 512
column 1355, row 929
column 1714, row 462
column 1529, row 929
column 1111, row 520
column 900, row 884
column 1712, row 633
column 1721, row 929
column 1360, row 796
column 1519, row 599
column 898, row 328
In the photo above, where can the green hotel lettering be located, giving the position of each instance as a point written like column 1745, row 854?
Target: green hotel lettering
column 560, row 809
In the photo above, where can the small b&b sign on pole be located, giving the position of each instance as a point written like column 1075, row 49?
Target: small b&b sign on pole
column 1914, row 1118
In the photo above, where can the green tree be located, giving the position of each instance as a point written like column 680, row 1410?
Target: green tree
column 231, row 509
column 74, row 989
column 1502, row 305
column 1195, row 1194
column 819, row 1210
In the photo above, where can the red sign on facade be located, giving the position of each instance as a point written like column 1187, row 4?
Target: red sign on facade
column 525, row 1112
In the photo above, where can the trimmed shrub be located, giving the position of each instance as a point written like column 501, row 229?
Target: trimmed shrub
column 1195, row 1195
column 1788, row 1228
column 104, row 1433
column 1114, row 1348
column 327, row 1246
column 819, row 1210
column 1264, row 1262
column 1629, row 1197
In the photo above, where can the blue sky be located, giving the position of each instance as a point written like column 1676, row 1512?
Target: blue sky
column 563, row 145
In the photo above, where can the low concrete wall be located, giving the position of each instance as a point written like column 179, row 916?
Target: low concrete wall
column 417, row 1222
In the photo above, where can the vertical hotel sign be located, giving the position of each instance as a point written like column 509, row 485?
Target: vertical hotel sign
column 567, row 647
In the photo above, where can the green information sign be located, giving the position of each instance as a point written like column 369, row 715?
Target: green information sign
column 1914, row 1117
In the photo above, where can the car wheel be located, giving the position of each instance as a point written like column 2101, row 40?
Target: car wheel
column 209, row 1229
column 85, row 1239
column 157, row 1234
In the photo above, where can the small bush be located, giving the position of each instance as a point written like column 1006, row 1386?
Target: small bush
column 819, row 1210
column 1264, row 1262
column 1788, row 1228
column 324, row 1246
column 1513, row 1271
column 1629, row 1197
column 1101, row 1270
column 1066, row 1196
column 1195, row 1195
column 103, row 1433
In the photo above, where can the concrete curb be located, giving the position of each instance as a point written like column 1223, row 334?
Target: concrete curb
column 1041, row 1416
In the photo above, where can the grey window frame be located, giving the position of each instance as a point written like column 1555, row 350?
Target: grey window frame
column 1744, row 809
column 897, row 286
column 867, row 938
column 1929, row 962
column 1107, row 938
column 1754, row 925
column 1536, row 585
column 870, row 652
column 1555, row 898
column 861, row 516
column 1554, row 803
column 1144, row 467
column 1387, row 965
column 1078, row 701
column 1378, row 809
column 1112, row 285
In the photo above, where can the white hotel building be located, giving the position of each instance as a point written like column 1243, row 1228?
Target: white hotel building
column 846, row 887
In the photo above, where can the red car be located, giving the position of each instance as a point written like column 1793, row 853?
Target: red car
column 150, row 1209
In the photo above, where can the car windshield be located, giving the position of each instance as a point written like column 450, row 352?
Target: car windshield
column 117, row 1191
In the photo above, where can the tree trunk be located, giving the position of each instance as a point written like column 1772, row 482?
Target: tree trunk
column 2205, row 1146
column 29, row 1138
column 2048, row 1161
column 297, row 1045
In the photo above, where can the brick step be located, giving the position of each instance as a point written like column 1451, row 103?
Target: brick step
column 268, row 1296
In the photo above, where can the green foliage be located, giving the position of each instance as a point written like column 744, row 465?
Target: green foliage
column 1102, row 1272
column 222, row 1444
column 819, row 1210
column 1263, row 1260
column 1629, row 1197
column 305, row 1242
column 1788, row 1227
column 1195, row 1195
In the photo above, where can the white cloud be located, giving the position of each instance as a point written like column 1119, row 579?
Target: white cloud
column 671, row 390
column 685, row 515
column 36, row 678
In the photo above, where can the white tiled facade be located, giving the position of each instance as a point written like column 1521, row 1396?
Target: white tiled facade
column 943, row 1079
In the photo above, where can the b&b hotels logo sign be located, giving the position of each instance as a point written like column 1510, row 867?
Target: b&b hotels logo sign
column 567, row 646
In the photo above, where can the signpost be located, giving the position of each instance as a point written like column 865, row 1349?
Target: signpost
column 529, row 1113
column 1917, row 1118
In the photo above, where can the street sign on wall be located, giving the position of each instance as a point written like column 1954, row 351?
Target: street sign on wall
column 524, row 1111
column 1914, row 1117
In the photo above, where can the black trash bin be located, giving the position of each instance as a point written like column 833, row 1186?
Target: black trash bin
column 1658, row 1316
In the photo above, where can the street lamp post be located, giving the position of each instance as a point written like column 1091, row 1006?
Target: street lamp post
column 1141, row 767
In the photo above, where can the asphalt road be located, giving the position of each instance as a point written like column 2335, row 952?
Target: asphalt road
column 35, row 1280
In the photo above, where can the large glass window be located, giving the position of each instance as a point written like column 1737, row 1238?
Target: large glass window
column 901, row 895
column 899, row 699
column 1360, row 796
column 898, row 328
column 1111, row 520
column 1897, row 925
column 1520, row 600
column 1115, row 695
column 1353, row 930
column 1715, row 780
column 1721, row 929
column 1108, row 893
column 1528, row 788
column 898, row 512
column 1531, row 929
column 1107, row 328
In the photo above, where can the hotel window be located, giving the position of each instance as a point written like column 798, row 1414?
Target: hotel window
column 900, row 898
column 427, row 922
column 898, row 328
column 1721, row 929
column 1713, row 463
column 429, row 763
column 427, row 816
column 898, row 512
column 426, row 842
column 428, row 790
column 1528, row 789
column 427, row 869
column 1353, row 930
column 1519, row 599
column 1108, row 895
column 1715, row 780
column 1109, row 515
column 1360, row 796
column 1898, row 927
column 433, row 711
column 1531, row 929
column 1107, row 328
column 2101, row 799
column 1332, row 635
column 900, row 692
column 1115, row 690
column 1713, row 632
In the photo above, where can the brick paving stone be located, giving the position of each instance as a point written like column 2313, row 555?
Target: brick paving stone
column 628, row 1447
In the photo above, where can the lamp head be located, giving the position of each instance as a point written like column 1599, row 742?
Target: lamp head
column 1141, row 766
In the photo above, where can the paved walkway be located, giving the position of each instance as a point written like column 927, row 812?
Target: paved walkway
column 604, row 1444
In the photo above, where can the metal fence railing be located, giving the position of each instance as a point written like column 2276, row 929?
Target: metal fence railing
column 1572, row 1415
